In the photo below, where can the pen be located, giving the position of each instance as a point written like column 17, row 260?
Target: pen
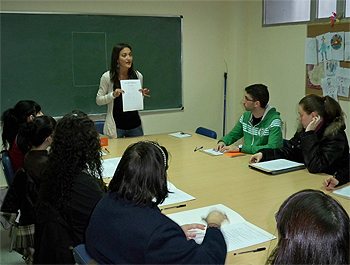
column 172, row 207
column 196, row 149
column 107, row 150
column 331, row 180
column 255, row 250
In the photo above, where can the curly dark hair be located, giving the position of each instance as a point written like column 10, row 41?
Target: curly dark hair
column 75, row 148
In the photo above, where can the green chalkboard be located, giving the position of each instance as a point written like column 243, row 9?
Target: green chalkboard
column 58, row 59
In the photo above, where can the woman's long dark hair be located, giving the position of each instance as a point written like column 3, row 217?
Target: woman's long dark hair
column 326, row 107
column 13, row 118
column 75, row 148
column 313, row 228
column 36, row 131
column 114, row 70
column 141, row 174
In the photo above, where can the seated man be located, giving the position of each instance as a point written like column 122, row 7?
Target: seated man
column 260, row 125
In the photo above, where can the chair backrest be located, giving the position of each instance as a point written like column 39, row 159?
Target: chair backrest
column 82, row 256
column 99, row 125
column 206, row 132
column 7, row 166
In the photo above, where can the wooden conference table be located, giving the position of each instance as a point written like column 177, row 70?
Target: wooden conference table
column 229, row 181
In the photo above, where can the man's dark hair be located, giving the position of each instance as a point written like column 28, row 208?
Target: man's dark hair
column 259, row 93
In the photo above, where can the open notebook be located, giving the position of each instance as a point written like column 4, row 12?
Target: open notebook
column 277, row 166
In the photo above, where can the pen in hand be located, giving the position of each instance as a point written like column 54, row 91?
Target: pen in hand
column 331, row 179
column 107, row 151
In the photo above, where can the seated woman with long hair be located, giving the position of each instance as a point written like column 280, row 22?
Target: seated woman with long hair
column 11, row 120
column 320, row 142
column 313, row 228
column 70, row 190
column 22, row 194
column 127, row 227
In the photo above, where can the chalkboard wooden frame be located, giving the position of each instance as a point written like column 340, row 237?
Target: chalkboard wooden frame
column 57, row 59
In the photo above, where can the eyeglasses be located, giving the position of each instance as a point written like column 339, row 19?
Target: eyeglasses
column 247, row 99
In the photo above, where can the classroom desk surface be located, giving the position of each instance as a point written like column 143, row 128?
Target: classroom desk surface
column 229, row 181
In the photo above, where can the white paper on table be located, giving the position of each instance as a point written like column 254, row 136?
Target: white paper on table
column 310, row 51
column 343, row 191
column 176, row 196
column 109, row 166
column 212, row 152
column 180, row 135
column 238, row 233
column 132, row 97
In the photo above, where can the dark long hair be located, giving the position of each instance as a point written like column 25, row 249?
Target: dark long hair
column 13, row 118
column 36, row 131
column 313, row 228
column 326, row 107
column 114, row 70
column 141, row 174
column 75, row 148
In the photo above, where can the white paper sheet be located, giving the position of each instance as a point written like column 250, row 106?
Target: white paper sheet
column 343, row 192
column 330, row 87
column 212, row 152
column 323, row 48
column 310, row 51
column 238, row 233
column 180, row 135
column 109, row 166
column 132, row 97
column 347, row 46
column 277, row 164
column 336, row 41
column 176, row 196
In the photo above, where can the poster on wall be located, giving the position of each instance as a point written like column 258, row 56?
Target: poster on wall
column 324, row 54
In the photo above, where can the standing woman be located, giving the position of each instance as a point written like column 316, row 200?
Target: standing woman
column 119, row 124
column 320, row 143
column 70, row 190
column 23, row 112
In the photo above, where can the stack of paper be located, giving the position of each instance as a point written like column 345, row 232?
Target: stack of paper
column 277, row 166
column 238, row 233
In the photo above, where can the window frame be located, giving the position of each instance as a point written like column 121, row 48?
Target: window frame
column 313, row 13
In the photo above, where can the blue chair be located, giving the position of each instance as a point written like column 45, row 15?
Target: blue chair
column 206, row 132
column 99, row 125
column 82, row 256
column 7, row 166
